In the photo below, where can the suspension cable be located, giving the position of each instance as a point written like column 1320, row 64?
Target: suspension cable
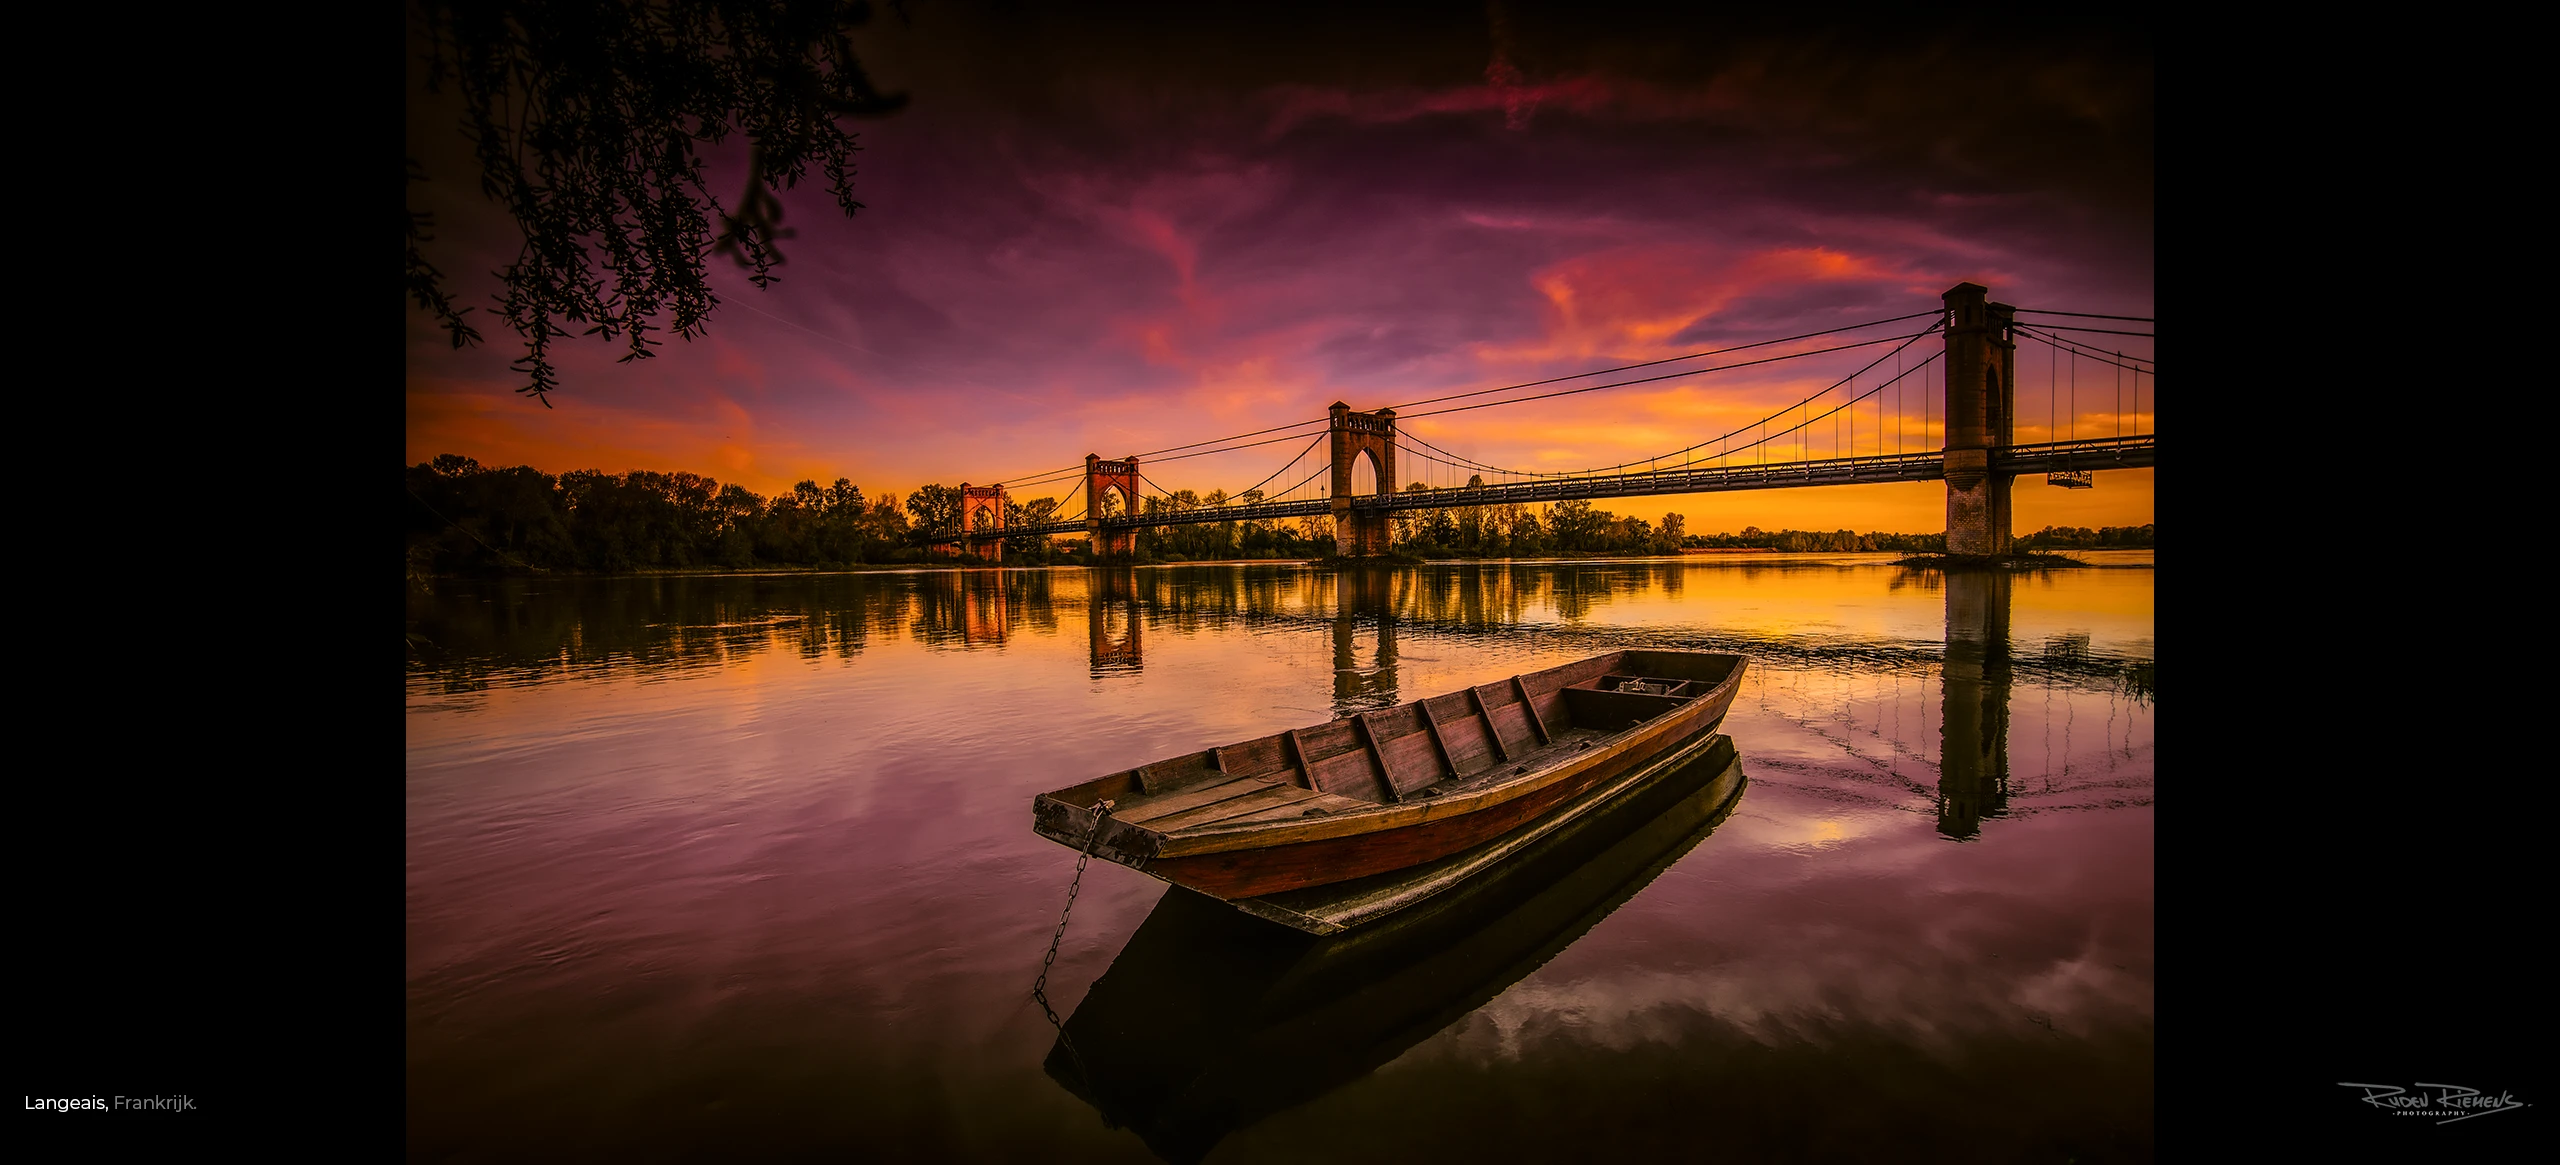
column 1060, row 473
column 2086, row 315
column 1907, row 341
column 1229, row 449
column 2080, row 352
column 1666, row 360
column 1071, row 496
column 1676, row 375
column 1587, row 388
column 1320, row 471
column 1457, row 461
column 2067, row 341
column 1284, row 468
column 2104, row 331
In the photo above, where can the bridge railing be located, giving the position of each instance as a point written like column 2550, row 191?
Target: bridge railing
column 1692, row 479
column 2099, row 453
column 1195, row 516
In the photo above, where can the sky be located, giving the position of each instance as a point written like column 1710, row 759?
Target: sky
column 1114, row 230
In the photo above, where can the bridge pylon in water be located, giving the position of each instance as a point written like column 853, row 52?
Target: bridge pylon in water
column 1982, row 398
column 1356, row 533
column 1122, row 476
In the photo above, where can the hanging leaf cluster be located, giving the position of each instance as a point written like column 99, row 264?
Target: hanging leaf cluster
column 587, row 118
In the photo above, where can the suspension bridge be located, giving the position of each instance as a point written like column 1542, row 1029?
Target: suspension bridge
column 1965, row 386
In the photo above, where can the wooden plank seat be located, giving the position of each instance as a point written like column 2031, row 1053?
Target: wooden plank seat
column 1613, row 702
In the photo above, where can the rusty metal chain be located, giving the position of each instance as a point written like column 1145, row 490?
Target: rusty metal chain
column 1039, row 986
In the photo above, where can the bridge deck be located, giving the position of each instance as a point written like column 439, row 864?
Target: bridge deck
column 2017, row 460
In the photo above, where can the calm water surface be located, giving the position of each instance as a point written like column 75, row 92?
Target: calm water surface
column 733, row 869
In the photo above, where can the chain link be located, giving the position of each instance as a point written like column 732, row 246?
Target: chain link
column 1039, row 986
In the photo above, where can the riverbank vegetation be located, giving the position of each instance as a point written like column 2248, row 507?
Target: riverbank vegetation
column 466, row 519
column 2021, row 561
column 2084, row 538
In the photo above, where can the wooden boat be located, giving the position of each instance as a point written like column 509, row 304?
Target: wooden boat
column 1391, row 789
column 1372, row 902
column 1210, row 1020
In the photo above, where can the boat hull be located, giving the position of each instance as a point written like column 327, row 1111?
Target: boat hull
column 1252, row 873
column 1211, row 1019
column 1363, row 903
column 1421, row 784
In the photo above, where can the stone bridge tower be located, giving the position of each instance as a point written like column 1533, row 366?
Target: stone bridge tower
column 1356, row 534
column 982, row 512
column 1100, row 475
column 1982, row 395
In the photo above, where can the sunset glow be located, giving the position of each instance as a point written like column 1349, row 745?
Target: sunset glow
column 1085, row 238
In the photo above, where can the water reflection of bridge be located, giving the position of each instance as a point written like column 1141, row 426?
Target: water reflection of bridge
column 1386, row 607
column 1119, row 604
column 1372, row 616
column 1116, row 621
column 1973, row 754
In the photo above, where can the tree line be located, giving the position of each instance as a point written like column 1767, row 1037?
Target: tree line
column 2084, row 538
column 468, row 519
column 1576, row 526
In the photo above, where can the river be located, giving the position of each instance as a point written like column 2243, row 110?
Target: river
column 741, row 868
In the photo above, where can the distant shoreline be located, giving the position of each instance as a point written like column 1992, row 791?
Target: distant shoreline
column 2028, row 561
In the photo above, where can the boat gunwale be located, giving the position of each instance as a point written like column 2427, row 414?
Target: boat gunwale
column 1383, row 816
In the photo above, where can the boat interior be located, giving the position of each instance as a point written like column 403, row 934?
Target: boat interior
column 1466, row 740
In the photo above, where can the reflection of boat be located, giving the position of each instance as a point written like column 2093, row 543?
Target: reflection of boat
column 1211, row 1020
column 1392, row 789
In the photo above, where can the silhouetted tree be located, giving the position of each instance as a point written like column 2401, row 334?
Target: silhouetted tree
column 585, row 115
column 936, row 508
column 1035, row 512
column 482, row 520
column 1576, row 524
column 1667, row 539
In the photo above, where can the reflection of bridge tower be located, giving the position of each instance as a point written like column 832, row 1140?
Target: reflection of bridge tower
column 1357, row 594
column 1356, row 533
column 1121, row 476
column 1982, row 392
column 981, row 511
column 985, row 615
column 1111, row 612
column 1973, row 757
